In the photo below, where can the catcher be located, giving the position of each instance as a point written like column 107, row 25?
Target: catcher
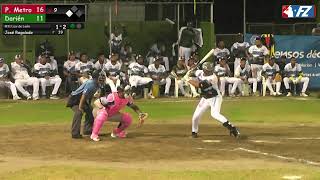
column 109, row 107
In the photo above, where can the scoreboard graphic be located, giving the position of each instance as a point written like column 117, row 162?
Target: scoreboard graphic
column 41, row 19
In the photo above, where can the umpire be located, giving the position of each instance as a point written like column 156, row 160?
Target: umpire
column 80, row 102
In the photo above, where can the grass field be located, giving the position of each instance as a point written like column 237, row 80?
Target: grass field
column 279, row 141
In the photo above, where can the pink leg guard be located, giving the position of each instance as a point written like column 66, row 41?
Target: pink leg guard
column 126, row 121
column 102, row 116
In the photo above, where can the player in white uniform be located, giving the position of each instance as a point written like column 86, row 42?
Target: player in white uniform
column 47, row 77
column 223, row 72
column 5, row 81
column 221, row 52
column 294, row 74
column 100, row 62
column 159, row 75
column 113, row 69
column 138, row 76
column 257, row 53
column 211, row 97
column 22, row 78
column 69, row 71
column 84, row 68
column 269, row 71
column 240, row 50
column 243, row 72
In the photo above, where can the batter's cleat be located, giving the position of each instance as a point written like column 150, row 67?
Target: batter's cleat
column 289, row 94
column 303, row 95
column 94, row 138
column 194, row 135
column 16, row 98
column 234, row 132
column 29, row 97
column 54, row 97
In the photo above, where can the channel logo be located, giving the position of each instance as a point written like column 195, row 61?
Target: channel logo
column 298, row 11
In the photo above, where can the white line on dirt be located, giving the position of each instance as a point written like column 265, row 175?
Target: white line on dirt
column 211, row 141
column 279, row 156
column 292, row 177
column 265, row 141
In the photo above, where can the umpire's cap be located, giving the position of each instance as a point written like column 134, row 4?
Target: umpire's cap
column 207, row 66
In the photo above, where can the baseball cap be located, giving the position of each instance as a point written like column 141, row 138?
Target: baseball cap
column 139, row 56
column 1, row 60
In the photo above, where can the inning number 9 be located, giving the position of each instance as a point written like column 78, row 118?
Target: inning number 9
column 55, row 9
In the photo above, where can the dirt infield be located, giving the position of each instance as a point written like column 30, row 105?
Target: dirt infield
column 163, row 143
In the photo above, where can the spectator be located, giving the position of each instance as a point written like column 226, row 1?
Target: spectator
column 47, row 76
column 69, row 71
column 186, row 42
column 239, row 50
column 22, row 78
column 100, row 62
column 257, row 53
column 270, row 70
column 295, row 75
column 223, row 72
column 5, row 80
column 221, row 52
column 138, row 76
column 113, row 70
column 84, row 68
column 243, row 72
column 159, row 75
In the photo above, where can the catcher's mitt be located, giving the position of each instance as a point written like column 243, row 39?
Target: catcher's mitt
column 278, row 78
column 142, row 118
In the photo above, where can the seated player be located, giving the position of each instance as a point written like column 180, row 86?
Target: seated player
column 243, row 72
column 239, row 50
column 221, row 52
column 69, row 71
column 110, row 106
column 270, row 71
column 84, row 68
column 138, row 76
column 179, row 71
column 159, row 75
column 20, row 72
column 5, row 81
column 47, row 76
column 294, row 74
column 113, row 70
column 207, row 81
column 223, row 72
column 100, row 62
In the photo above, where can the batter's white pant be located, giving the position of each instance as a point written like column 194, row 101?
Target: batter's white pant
column 237, row 63
column 167, row 82
column 269, row 82
column 304, row 80
column 256, row 70
column 113, row 85
column 11, row 86
column 204, row 104
column 138, row 81
column 55, row 81
column 252, row 81
column 185, row 52
column 232, row 80
column 31, row 81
